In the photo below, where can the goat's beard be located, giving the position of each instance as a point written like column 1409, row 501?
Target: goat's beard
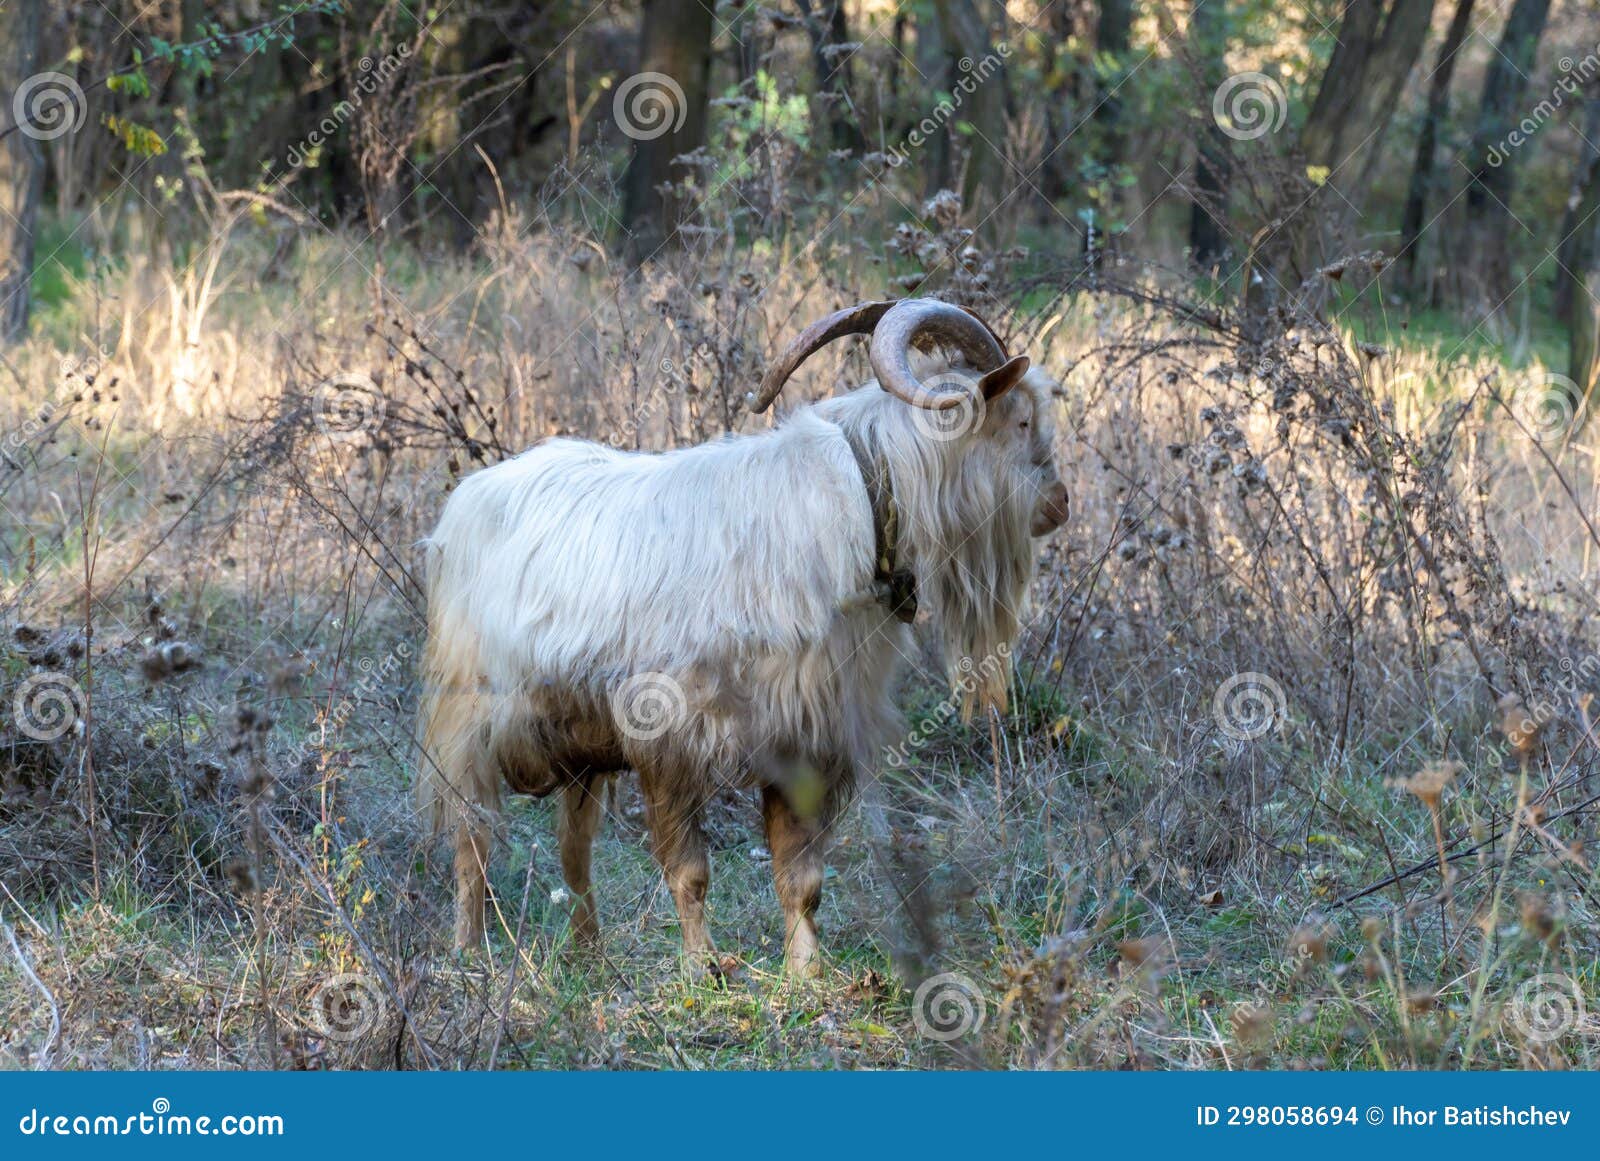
column 977, row 587
column 965, row 518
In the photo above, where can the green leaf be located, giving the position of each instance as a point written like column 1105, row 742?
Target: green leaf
column 134, row 83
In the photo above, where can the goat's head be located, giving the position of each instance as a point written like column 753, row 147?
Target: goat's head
column 1015, row 428
column 970, row 454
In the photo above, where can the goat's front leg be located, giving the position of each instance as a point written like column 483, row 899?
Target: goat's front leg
column 796, row 843
column 472, row 880
column 680, row 848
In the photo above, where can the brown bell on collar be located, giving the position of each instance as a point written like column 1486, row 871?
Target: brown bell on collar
column 899, row 594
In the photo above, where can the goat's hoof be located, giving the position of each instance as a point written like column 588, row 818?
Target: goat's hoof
column 583, row 950
column 705, row 966
column 806, row 969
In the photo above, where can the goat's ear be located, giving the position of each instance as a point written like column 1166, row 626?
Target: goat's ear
column 1003, row 378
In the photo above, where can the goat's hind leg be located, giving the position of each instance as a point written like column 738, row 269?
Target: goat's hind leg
column 680, row 848
column 796, row 843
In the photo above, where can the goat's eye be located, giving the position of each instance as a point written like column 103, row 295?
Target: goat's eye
column 1024, row 425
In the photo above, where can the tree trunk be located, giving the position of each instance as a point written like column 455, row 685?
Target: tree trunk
column 1377, row 47
column 752, row 41
column 21, row 168
column 1063, row 97
column 897, row 42
column 980, row 95
column 1422, row 174
column 826, row 25
column 1208, row 215
column 933, row 66
column 1490, row 157
column 1579, row 278
column 665, row 120
column 1575, row 255
column 1112, row 34
column 1337, row 95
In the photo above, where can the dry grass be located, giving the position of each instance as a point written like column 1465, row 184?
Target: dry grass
column 212, row 499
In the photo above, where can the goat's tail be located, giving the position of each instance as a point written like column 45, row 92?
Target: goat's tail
column 457, row 780
column 456, row 776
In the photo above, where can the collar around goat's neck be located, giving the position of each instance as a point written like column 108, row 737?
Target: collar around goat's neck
column 893, row 587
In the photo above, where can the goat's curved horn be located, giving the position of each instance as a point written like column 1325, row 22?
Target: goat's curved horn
column 992, row 332
column 860, row 319
column 926, row 322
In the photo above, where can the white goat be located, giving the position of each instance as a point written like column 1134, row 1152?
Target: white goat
column 732, row 613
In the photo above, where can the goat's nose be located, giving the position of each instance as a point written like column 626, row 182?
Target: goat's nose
column 1052, row 510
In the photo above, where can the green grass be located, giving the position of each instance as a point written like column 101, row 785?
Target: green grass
column 61, row 257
